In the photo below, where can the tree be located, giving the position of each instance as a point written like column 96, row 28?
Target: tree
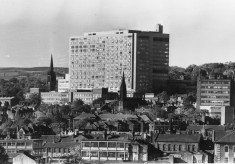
column 20, row 95
column 175, row 72
column 77, row 105
column 34, row 99
column 3, row 155
column 86, row 108
column 163, row 97
column 65, row 109
column 98, row 101
column 157, row 112
column 75, row 151
column 189, row 100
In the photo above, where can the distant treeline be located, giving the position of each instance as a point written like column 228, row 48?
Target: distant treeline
column 209, row 69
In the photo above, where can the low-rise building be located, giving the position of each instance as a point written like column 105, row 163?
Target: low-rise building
column 11, row 100
column 63, row 84
column 113, row 150
column 184, row 147
column 207, row 131
column 215, row 94
column 105, row 150
column 225, row 149
column 172, row 143
column 87, row 96
column 55, row 97
column 32, row 146
column 24, row 158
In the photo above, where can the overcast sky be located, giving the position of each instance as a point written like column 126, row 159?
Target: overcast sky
column 30, row 30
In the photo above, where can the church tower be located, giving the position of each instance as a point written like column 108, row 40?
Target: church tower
column 123, row 93
column 51, row 77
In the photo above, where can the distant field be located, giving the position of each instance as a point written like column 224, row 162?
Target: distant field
column 39, row 72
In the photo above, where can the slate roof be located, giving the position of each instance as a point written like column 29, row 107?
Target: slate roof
column 229, row 137
column 60, row 144
column 213, row 127
column 27, row 130
column 50, row 138
column 84, row 116
column 219, row 134
column 118, row 116
column 178, row 138
column 145, row 118
column 13, row 155
column 39, row 114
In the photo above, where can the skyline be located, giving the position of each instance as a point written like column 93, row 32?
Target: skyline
column 30, row 31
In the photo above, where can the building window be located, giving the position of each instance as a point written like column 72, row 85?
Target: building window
column 112, row 144
column 225, row 149
column 86, row 144
column 169, row 147
column 226, row 160
column 188, row 147
column 85, row 154
column 193, row 148
column 234, row 149
column 94, row 144
column 103, row 144
column 103, row 154
column 180, row 147
column 175, row 147
column 111, row 154
column 94, row 154
column 164, row 147
column 120, row 145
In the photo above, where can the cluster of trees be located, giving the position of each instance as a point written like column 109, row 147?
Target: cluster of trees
column 3, row 155
column 212, row 69
column 187, row 111
column 17, row 88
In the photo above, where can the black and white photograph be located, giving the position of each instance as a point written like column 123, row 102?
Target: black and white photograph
column 117, row 81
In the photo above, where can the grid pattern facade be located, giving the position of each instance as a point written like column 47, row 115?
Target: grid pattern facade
column 97, row 62
column 105, row 150
column 98, row 59
column 215, row 92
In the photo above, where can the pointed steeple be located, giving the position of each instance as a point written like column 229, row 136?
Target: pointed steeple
column 51, row 77
column 123, row 91
column 51, row 66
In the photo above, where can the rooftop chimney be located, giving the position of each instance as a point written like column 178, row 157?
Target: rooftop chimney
column 159, row 28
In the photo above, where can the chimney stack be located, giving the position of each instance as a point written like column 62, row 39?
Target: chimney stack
column 159, row 28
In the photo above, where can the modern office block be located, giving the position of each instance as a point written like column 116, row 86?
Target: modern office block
column 98, row 59
column 215, row 94
column 63, row 84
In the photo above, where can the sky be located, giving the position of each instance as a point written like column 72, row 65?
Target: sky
column 31, row 30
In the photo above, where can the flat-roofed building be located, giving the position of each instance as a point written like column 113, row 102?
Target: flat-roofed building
column 89, row 96
column 98, row 59
column 113, row 150
column 32, row 146
column 63, row 84
column 55, row 97
column 214, row 94
column 225, row 148
column 11, row 100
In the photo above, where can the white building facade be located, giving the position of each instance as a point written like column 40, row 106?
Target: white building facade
column 98, row 60
column 63, row 84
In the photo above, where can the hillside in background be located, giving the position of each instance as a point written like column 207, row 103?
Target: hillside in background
column 38, row 72
column 209, row 69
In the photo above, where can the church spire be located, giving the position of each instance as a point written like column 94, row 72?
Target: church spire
column 123, row 91
column 51, row 66
column 51, row 77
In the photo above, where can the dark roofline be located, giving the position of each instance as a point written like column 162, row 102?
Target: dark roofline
column 219, row 140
